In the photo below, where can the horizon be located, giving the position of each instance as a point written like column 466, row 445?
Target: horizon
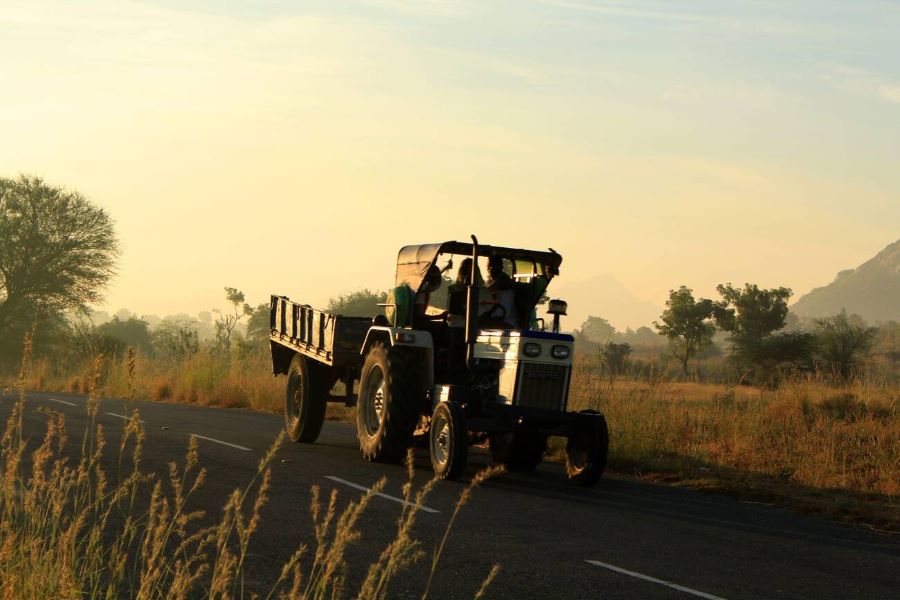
column 294, row 150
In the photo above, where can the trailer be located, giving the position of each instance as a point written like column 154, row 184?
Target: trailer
column 315, row 350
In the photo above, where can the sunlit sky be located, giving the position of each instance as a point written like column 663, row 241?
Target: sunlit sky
column 293, row 147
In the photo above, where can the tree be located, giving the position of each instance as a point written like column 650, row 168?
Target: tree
column 132, row 332
column 642, row 336
column 844, row 341
column 258, row 325
column 615, row 357
column 688, row 324
column 227, row 321
column 176, row 337
column 596, row 329
column 752, row 316
column 361, row 303
column 57, row 252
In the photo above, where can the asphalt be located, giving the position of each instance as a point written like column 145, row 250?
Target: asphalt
column 622, row 539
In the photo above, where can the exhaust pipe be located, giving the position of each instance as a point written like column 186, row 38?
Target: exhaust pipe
column 472, row 309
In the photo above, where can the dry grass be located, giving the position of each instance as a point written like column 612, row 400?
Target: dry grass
column 830, row 450
column 209, row 378
column 73, row 530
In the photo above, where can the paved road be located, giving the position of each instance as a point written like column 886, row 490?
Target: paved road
column 621, row 539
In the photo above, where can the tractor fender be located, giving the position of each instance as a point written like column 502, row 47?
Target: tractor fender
column 415, row 339
column 397, row 336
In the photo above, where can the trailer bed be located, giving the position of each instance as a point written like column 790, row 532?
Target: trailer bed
column 334, row 340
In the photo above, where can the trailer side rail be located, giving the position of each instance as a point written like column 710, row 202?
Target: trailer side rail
column 303, row 328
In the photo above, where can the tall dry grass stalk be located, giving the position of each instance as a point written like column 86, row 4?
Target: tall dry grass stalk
column 69, row 529
column 464, row 497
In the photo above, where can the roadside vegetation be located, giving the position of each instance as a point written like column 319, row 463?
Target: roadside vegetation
column 808, row 444
column 95, row 524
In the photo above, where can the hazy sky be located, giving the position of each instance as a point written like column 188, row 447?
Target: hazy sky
column 293, row 147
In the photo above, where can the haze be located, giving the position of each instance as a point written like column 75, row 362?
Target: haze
column 292, row 148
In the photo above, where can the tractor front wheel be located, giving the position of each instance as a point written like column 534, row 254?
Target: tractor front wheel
column 586, row 450
column 448, row 441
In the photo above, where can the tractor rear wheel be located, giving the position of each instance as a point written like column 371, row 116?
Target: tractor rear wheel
column 519, row 450
column 387, row 409
column 448, row 441
column 304, row 400
column 586, row 450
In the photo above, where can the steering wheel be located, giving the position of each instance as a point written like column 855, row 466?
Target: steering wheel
column 491, row 314
column 493, row 318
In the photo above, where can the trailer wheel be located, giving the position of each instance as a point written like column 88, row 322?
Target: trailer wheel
column 518, row 451
column 304, row 400
column 387, row 408
column 586, row 450
column 448, row 441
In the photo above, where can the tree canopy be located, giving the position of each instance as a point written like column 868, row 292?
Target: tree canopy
column 688, row 324
column 752, row 313
column 361, row 303
column 843, row 341
column 596, row 329
column 57, row 252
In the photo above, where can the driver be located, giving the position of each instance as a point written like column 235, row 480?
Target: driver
column 498, row 280
column 500, row 311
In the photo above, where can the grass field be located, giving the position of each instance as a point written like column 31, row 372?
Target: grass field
column 822, row 449
column 834, row 451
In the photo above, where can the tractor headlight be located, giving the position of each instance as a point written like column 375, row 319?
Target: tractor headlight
column 531, row 349
column 560, row 352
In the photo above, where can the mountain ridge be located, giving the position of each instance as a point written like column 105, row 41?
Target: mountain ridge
column 871, row 290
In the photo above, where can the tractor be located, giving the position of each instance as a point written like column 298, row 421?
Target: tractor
column 450, row 363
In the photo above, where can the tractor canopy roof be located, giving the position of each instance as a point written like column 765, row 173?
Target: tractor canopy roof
column 413, row 262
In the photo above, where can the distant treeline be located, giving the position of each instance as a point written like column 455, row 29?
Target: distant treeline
column 747, row 335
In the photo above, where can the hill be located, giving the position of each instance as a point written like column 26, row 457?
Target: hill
column 872, row 290
column 603, row 296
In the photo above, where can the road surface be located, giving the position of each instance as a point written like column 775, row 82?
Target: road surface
column 622, row 539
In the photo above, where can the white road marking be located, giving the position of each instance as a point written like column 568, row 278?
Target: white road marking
column 123, row 417
column 209, row 439
column 62, row 401
column 382, row 495
column 674, row 586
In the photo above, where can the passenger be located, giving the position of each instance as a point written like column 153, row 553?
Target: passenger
column 430, row 284
column 457, row 295
column 464, row 275
column 458, row 291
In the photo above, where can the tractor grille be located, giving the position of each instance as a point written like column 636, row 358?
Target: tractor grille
column 542, row 386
